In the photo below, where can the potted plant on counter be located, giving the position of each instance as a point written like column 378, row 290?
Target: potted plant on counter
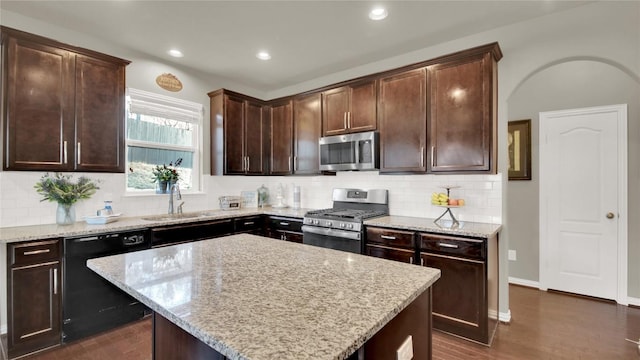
column 166, row 175
column 61, row 189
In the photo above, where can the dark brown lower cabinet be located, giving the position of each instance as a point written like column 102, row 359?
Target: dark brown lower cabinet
column 34, row 296
column 464, row 303
column 391, row 244
column 284, row 228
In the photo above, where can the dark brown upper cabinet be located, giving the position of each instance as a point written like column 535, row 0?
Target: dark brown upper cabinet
column 307, row 128
column 350, row 108
column 243, row 126
column 437, row 116
column 281, row 115
column 402, row 114
column 63, row 106
column 462, row 114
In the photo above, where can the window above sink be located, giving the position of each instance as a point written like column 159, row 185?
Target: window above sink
column 159, row 130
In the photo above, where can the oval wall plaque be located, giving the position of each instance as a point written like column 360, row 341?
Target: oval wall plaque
column 169, row 82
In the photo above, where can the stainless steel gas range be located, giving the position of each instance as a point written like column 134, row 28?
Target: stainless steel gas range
column 340, row 227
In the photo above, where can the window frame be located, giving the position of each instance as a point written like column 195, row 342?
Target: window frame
column 152, row 104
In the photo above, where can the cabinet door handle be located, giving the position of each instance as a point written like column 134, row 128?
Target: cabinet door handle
column 64, row 151
column 55, row 281
column 349, row 119
column 248, row 163
column 34, row 252
column 387, row 237
column 432, row 157
column 344, row 119
column 284, row 223
column 295, row 163
column 451, row 246
column 421, row 261
column 79, row 156
column 249, row 223
column 421, row 156
column 411, row 260
column 289, row 163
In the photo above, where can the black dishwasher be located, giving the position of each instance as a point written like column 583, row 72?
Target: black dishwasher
column 91, row 304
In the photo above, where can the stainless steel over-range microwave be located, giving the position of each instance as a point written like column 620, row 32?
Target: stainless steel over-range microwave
column 358, row 151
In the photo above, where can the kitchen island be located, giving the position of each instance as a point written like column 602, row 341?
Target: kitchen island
column 250, row 297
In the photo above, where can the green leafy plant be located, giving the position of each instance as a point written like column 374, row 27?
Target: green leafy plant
column 61, row 189
column 167, row 173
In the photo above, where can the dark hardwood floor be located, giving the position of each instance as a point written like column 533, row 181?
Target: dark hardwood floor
column 544, row 325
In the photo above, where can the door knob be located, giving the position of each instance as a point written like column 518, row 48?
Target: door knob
column 610, row 215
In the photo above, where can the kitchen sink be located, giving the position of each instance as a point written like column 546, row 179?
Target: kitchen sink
column 171, row 217
column 168, row 217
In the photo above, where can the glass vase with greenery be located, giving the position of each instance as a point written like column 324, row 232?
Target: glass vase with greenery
column 165, row 175
column 61, row 189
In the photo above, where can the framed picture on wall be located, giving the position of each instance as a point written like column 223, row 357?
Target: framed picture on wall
column 519, row 143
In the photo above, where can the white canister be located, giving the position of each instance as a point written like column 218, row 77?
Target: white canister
column 296, row 197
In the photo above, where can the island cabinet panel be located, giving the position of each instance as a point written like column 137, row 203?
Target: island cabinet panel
column 462, row 115
column 402, row 115
column 63, row 106
column 307, row 122
column 171, row 342
column 244, row 126
column 464, row 266
column 350, row 108
column 34, row 296
column 281, row 138
column 391, row 244
column 284, row 228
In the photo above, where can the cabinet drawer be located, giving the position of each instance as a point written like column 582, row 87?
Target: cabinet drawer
column 466, row 247
column 286, row 224
column 392, row 238
column 384, row 252
column 34, row 252
column 248, row 224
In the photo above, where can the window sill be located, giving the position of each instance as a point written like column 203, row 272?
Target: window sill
column 129, row 194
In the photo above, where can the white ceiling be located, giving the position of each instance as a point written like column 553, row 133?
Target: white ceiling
column 307, row 39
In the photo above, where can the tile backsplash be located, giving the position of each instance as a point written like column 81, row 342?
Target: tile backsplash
column 409, row 195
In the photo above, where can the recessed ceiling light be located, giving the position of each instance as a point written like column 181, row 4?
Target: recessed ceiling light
column 263, row 55
column 176, row 53
column 378, row 13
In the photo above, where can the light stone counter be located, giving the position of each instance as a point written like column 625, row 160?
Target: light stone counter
column 468, row 229
column 80, row 228
column 250, row 297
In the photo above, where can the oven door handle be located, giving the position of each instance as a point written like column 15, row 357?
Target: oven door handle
column 353, row 235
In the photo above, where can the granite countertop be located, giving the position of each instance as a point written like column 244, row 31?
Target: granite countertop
column 469, row 229
column 80, row 228
column 250, row 297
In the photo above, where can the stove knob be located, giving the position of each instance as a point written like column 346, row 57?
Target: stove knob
column 342, row 225
column 329, row 223
column 349, row 226
column 316, row 222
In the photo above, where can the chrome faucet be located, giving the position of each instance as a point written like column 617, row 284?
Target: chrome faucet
column 174, row 189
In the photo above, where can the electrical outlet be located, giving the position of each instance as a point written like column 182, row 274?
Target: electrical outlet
column 512, row 255
column 405, row 351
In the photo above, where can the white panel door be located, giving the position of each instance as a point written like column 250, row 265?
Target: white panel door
column 579, row 162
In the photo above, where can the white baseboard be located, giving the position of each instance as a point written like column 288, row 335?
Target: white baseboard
column 505, row 317
column 524, row 282
column 633, row 301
